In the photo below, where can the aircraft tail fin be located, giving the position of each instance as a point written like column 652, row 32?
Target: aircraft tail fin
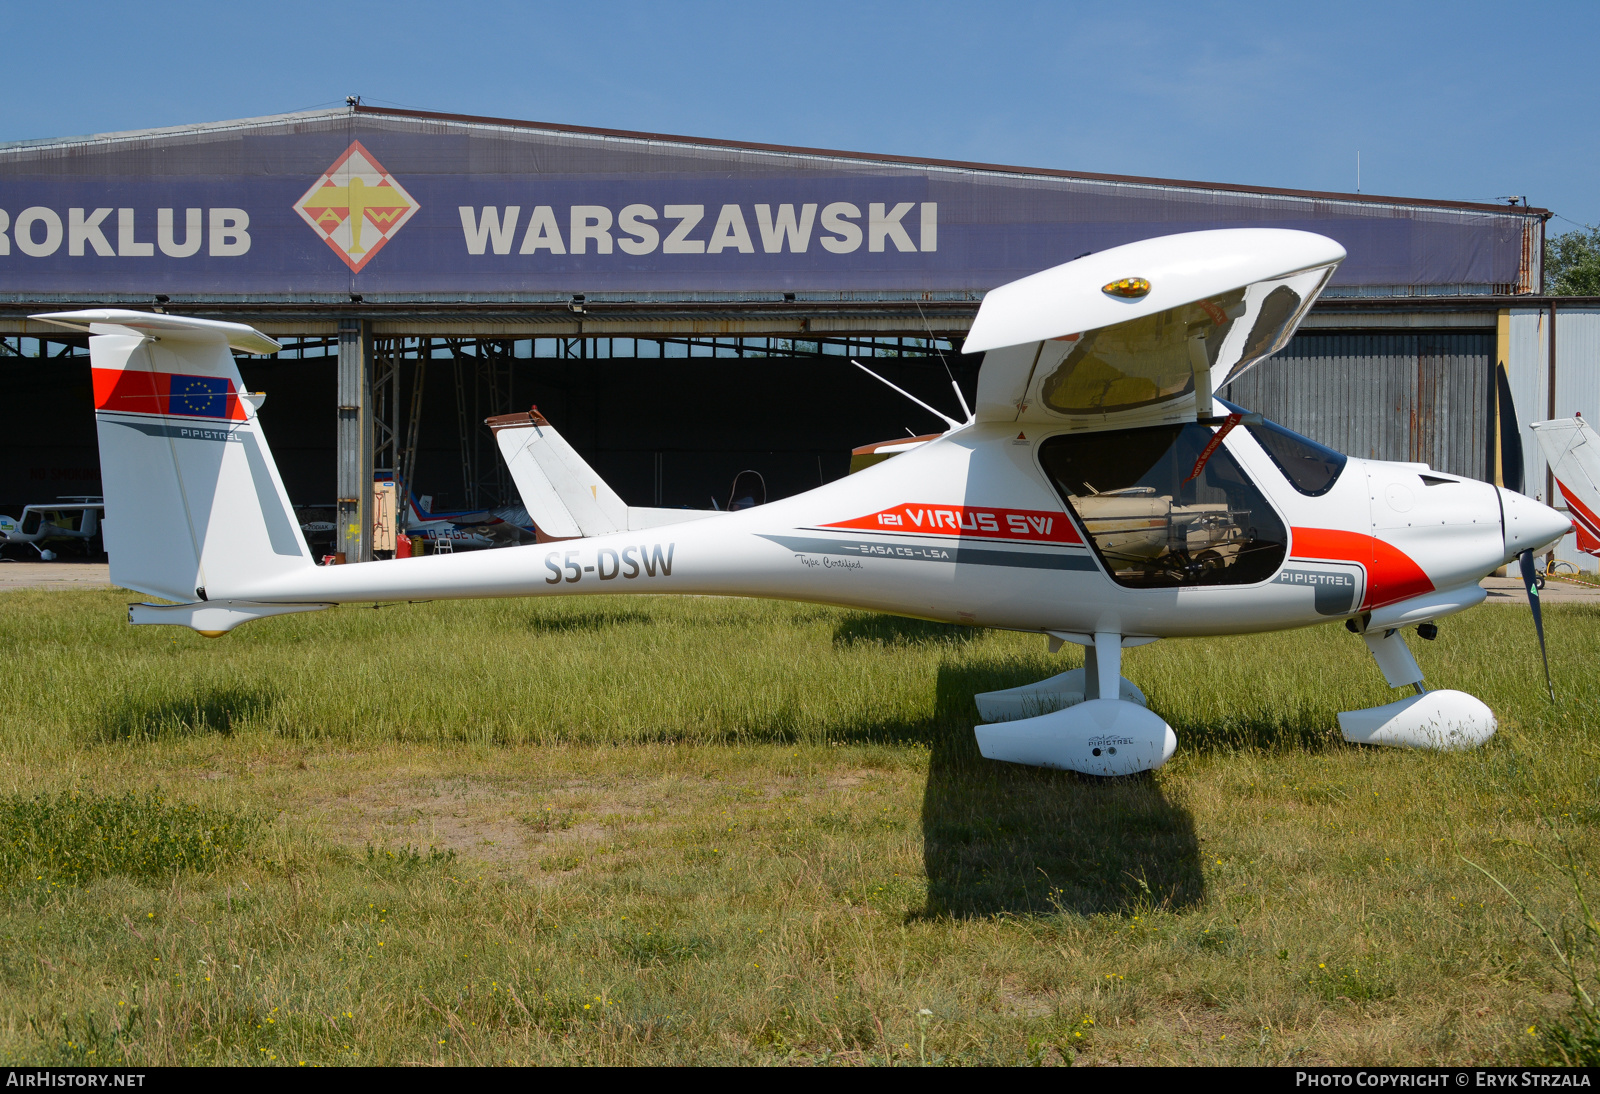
column 563, row 495
column 1572, row 448
column 194, row 507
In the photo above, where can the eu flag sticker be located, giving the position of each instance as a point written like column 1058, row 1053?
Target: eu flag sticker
column 199, row 396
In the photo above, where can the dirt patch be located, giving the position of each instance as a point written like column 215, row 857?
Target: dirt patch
column 1022, row 1004
column 529, row 821
column 491, row 820
column 848, row 780
column 1206, row 1030
column 474, row 818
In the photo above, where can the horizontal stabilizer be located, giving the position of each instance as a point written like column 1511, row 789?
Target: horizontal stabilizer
column 178, row 328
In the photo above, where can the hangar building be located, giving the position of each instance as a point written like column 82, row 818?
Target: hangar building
column 684, row 308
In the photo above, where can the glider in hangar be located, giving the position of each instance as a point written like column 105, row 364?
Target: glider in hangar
column 1100, row 494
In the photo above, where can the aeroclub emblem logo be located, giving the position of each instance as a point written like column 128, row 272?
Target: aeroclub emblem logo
column 356, row 206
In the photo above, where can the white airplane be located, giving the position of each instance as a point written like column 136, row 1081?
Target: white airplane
column 77, row 518
column 465, row 530
column 1100, row 495
column 1572, row 448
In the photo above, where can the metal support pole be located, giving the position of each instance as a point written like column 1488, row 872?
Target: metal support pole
column 494, row 369
column 385, row 386
column 1550, row 412
column 408, row 454
column 353, row 522
column 1550, row 404
column 464, row 437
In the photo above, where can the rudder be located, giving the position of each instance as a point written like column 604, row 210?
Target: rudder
column 562, row 493
column 195, row 508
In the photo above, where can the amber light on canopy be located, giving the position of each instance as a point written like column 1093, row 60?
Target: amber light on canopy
column 1130, row 288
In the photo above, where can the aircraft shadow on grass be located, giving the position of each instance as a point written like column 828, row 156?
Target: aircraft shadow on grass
column 874, row 629
column 204, row 711
column 1004, row 839
column 572, row 622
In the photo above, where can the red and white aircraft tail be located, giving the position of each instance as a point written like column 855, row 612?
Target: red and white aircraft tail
column 1572, row 448
column 159, row 380
column 180, row 515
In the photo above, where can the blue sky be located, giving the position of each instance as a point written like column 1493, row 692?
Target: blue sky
column 1471, row 101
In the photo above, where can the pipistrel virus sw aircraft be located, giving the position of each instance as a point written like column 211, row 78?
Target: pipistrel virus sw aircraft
column 1100, row 494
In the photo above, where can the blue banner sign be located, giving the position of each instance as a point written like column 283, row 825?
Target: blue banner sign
column 274, row 210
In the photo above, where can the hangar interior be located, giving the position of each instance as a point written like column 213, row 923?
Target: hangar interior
column 672, row 378
column 668, row 421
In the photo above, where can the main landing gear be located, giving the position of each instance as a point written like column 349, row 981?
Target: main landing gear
column 1071, row 722
column 1064, row 722
column 1428, row 719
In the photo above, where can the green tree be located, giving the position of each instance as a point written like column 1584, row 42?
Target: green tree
column 1572, row 263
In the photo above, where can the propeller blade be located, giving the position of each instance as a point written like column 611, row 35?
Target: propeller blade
column 1530, row 584
column 1510, row 434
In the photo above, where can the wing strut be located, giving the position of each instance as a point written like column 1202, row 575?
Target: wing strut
column 936, row 413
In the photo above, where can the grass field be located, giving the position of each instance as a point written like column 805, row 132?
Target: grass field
column 706, row 830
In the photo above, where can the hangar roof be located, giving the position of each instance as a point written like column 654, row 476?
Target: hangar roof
column 410, row 209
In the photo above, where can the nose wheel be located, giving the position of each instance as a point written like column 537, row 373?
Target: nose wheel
column 1439, row 720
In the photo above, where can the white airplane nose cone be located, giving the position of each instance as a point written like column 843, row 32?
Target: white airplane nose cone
column 1530, row 525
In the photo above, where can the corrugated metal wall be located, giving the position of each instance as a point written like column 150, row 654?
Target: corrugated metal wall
column 1578, row 362
column 1577, row 387
column 1421, row 397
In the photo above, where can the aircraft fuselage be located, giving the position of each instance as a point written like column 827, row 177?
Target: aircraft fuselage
column 972, row 529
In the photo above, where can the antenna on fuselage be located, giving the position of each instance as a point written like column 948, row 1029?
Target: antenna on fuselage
column 937, row 413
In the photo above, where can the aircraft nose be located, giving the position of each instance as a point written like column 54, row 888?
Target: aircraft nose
column 1529, row 525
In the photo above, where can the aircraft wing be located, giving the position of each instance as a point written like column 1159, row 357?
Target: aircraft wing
column 1145, row 332
column 1572, row 448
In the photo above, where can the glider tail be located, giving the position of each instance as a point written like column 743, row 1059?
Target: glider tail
column 563, row 495
column 195, row 508
column 1572, row 448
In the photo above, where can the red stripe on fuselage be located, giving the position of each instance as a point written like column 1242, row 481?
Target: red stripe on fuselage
column 1021, row 525
column 1392, row 576
column 136, row 391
